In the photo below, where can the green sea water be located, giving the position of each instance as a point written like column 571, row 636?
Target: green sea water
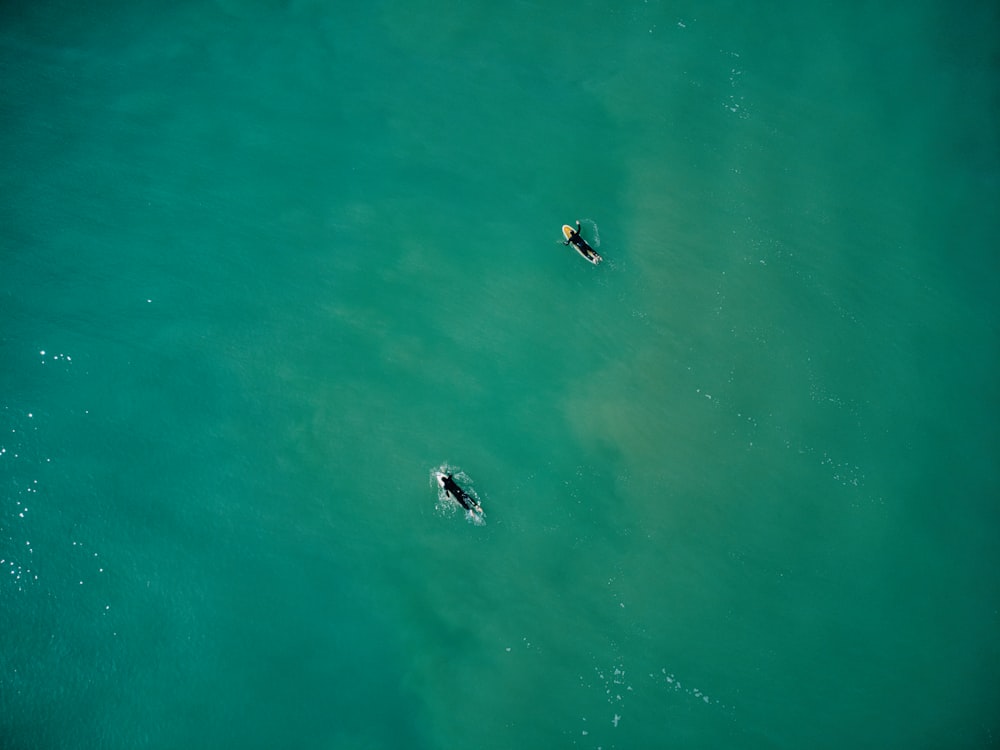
column 266, row 266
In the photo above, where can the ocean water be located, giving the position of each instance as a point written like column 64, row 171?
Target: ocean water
column 266, row 266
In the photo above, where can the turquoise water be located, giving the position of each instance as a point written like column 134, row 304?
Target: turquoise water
column 267, row 266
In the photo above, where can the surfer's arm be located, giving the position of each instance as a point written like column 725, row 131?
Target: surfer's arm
column 574, row 234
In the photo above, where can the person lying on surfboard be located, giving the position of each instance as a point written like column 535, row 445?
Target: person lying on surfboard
column 451, row 489
column 573, row 238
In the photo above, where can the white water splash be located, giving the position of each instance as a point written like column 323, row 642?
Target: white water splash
column 448, row 506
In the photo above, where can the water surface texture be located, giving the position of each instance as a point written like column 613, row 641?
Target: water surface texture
column 266, row 266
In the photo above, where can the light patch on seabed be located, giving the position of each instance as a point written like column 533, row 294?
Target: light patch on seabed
column 671, row 313
column 623, row 406
column 445, row 505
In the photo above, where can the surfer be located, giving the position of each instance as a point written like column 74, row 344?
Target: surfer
column 451, row 488
column 573, row 238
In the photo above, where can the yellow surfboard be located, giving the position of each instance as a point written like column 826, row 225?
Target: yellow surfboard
column 580, row 245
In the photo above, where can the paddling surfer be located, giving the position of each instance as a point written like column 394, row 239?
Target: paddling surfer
column 451, row 489
column 581, row 245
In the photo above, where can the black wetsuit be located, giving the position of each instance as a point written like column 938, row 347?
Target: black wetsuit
column 458, row 493
column 581, row 244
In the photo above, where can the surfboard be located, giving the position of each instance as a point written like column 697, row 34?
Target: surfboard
column 585, row 250
column 457, row 493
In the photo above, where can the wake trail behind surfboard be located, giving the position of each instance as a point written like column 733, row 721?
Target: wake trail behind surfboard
column 593, row 231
